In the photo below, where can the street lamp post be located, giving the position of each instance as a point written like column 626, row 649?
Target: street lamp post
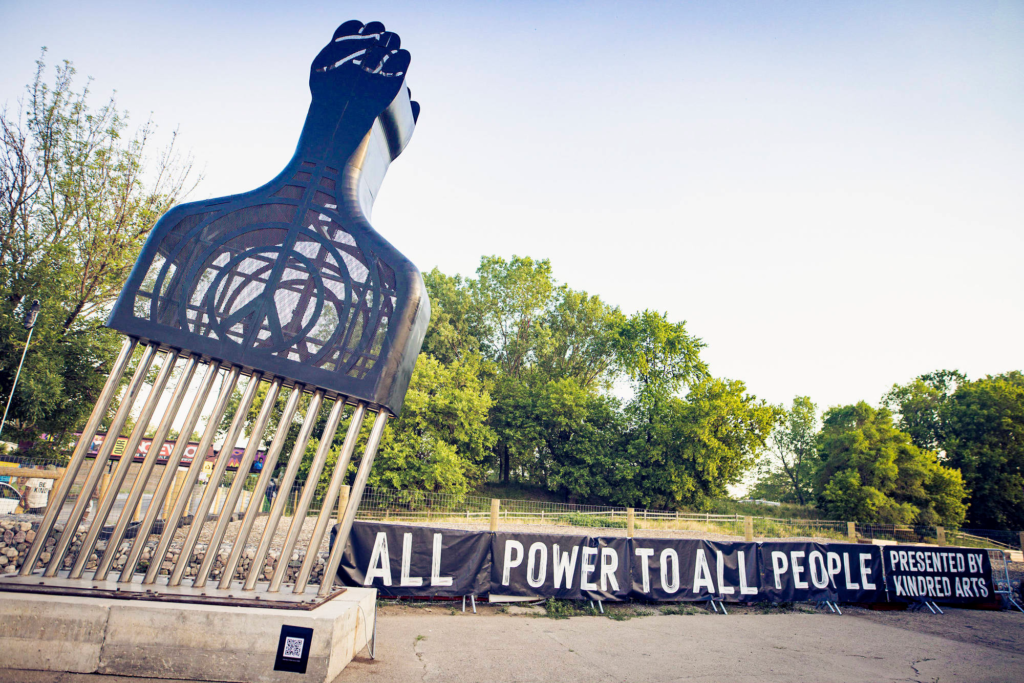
column 30, row 325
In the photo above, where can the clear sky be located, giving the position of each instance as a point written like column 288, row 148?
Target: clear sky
column 830, row 194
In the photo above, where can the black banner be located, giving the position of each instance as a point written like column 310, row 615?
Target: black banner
column 397, row 559
column 690, row 570
column 949, row 575
column 406, row 560
column 856, row 572
column 796, row 572
column 542, row 565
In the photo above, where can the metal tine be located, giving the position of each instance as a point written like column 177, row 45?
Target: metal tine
column 362, row 474
column 170, row 470
column 148, row 463
column 283, row 486
column 226, row 512
column 308, row 491
column 106, row 503
column 220, row 465
column 269, row 464
column 71, row 525
column 99, row 411
column 333, row 489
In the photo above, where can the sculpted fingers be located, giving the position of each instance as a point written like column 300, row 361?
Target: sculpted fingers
column 370, row 47
column 349, row 28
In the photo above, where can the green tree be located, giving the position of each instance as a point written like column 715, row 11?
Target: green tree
column 793, row 453
column 871, row 472
column 580, row 343
column 918, row 406
column 687, row 452
column 580, row 433
column 438, row 443
column 514, row 297
column 456, row 319
column 659, row 356
column 77, row 200
column 983, row 436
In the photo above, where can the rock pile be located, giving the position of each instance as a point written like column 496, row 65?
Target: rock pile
column 16, row 537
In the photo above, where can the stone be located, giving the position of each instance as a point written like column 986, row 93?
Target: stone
column 19, row 537
column 26, row 526
column 10, row 569
column 44, row 557
column 30, row 536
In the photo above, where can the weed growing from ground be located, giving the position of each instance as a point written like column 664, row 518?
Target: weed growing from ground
column 563, row 609
column 682, row 610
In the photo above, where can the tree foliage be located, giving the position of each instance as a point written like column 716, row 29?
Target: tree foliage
column 983, row 436
column 872, row 472
column 78, row 197
column 792, row 453
column 978, row 427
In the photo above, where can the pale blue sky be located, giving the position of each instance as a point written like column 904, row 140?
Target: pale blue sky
column 829, row 193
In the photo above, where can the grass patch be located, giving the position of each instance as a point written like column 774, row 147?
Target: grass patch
column 563, row 609
column 627, row 612
column 683, row 610
column 580, row 519
column 726, row 506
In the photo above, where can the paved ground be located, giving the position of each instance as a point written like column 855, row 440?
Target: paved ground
column 861, row 645
column 432, row 644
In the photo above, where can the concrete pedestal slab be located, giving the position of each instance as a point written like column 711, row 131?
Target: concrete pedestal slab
column 182, row 641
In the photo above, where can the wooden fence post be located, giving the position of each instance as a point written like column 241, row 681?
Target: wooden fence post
column 343, row 494
column 1021, row 540
column 748, row 529
column 851, row 530
column 630, row 522
column 495, row 507
column 940, row 535
column 179, row 483
column 104, row 485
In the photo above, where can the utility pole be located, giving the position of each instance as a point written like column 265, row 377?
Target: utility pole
column 30, row 325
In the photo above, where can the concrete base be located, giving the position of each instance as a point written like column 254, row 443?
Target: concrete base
column 182, row 641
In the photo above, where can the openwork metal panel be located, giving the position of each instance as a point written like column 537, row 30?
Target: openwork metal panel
column 290, row 278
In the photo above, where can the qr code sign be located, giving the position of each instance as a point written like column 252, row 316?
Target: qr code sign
column 293, row 648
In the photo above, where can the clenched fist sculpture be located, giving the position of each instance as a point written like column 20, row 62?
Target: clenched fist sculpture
column 291, row 279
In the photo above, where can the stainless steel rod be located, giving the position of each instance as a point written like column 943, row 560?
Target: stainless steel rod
column 113, row 489
column 327, row 508
column 127, row 402
column 269, row 464
column 226, row 512
column 99, row 411
column 308, row 491
column 170, row 469
column 283, row 487
column 220, row 465
column 362, row 474
column 148, row 463
column 180, row 504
